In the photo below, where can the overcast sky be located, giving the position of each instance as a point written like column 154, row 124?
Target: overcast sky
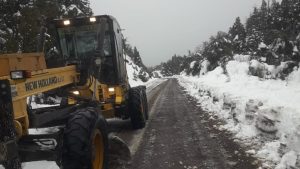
column 162, row 28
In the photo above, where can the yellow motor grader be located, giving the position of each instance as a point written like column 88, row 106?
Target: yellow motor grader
column 91, row 81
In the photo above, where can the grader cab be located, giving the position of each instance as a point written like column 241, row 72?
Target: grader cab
column 89, row 76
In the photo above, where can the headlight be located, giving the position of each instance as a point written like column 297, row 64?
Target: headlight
column 18, row 74
column 76, row 92
column 92, row 19
column 67, row 22
column 111, row 89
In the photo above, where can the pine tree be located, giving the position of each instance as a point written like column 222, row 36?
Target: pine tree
column 218, row 49
column 10, row 12
column 72, row 8
column 275, row 24
column 237, row 34
column 266, row 23
column 254, row 35
column 264, row 16
column 136, row 58
column 275, row 13
column 295, row 18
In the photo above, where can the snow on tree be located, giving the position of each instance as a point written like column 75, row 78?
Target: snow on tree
column 73, row 8
column 271, row 35
column 19, row 20
column 218, row 50
column 237, row 35
column 254, row 35
column 9, row 18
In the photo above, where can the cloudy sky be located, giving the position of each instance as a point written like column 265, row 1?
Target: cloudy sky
column 162, row 28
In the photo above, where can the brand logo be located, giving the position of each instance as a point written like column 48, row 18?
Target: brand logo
column 29, row 86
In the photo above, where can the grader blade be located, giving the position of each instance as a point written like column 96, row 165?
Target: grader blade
column 119, row 152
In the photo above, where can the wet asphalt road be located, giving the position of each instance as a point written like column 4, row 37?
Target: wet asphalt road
column 179, row 135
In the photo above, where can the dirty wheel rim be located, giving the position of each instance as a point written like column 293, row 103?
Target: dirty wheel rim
column 98, row 150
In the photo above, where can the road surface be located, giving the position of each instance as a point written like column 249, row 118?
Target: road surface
column 180, row 135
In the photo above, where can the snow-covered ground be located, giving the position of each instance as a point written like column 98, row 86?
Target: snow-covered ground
column 153, row 83
column 264, row 115
column 38, row 165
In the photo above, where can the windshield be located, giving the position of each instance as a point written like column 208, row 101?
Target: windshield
column 81, row 42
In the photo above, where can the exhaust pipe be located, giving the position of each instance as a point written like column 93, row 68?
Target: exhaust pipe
column 41, row 36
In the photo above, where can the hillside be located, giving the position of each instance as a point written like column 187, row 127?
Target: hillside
column 271, row 35
column 138, row 73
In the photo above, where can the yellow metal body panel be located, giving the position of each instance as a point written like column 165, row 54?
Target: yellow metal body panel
column 119, row 98
column 120, row 93
column 20, row 61
column 44, row 80
column 108, row 111
column 41, row 81
column 18, row 127
column 21, row 116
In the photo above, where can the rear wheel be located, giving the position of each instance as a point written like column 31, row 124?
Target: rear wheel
column 145, row 103
column 85, row 141
column 136, row 108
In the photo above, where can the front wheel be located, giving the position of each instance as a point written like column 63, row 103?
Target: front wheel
column 85, row 141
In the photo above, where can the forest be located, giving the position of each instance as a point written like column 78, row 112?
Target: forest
column 270, row 35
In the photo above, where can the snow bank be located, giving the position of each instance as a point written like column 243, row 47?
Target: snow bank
column 263, row 114
column 294, row 77
column 266, row 71
column 204, row 67
column 38, row 165
column 157, row 74
column 242, row 58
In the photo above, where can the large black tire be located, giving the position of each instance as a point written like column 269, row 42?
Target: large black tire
column 79, row 144
column 145, row 103
column 13, row 164
column 136, row 108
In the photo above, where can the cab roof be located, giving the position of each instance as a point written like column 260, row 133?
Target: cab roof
column 78, row 21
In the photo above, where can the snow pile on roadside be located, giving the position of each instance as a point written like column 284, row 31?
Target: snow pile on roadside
column 157, row 74
column 204, row 67
column 153, row 83
column 263, row 114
